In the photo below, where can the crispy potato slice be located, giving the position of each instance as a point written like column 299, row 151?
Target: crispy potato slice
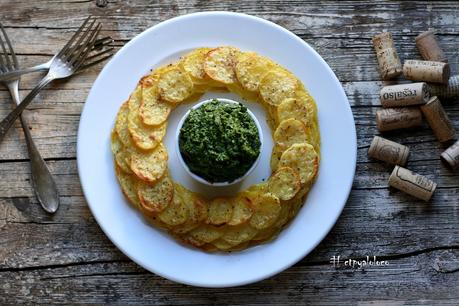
column 220, row 211
column 155, row 198
column 152, row 111
column 197, row 209
column 128, row 185
column 120, row 154
column 176, row 213
column 121, row 125
column 219, row 64
column 206, row 233
column 241, row 210
column 266, row 234
column 237, row 89
column 267, row 209
column 250, row 69
column 290, row 131
column 276, row 154
column 175, row 85
column 193, row 64
column 303, row 158
column 144, row 137
column 149, row 166
column 221, row 244
column 278, row 85
column 284, row 183
column 235, row 235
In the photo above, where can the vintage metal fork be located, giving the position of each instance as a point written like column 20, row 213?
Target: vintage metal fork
column 66, row 63
column 42, row 180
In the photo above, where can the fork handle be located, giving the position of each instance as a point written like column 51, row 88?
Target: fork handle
column 8, row 122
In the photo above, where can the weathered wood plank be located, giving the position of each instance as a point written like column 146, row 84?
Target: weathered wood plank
column 124, row 283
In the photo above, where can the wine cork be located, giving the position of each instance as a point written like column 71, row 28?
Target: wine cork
column 398, row 118
column 448, row 91
column 388, row 60
column 429, row 48
column 388, row 151
column 412, row 183
column 435, row 72
column 404, row 95
column 451, row 155
column 438, row 120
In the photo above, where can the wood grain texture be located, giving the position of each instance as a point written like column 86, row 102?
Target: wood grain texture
column 66, row 258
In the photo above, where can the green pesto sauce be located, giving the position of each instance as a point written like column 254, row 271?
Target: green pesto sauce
column 219, row 141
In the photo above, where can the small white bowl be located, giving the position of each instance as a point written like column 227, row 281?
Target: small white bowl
column 198, row 178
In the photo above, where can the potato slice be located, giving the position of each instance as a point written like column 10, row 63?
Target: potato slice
column 176, row 213
column 241, row 210
column 197, row 209
column 120, row 154
column 221, row 244
column 276, row 154
column 219, row 64
column 175, row 85
column 149, row 166
column 206, row 233
column 235, row 235
column 144, row 137
column 250, row 69
column 290, row 131
column 193, row 64
column 284, row 183
column 278, row 85
column 128, row 185
column 303, row 158
column 220, row 211
column 152, row 111
column 300, row 107
column 155, row 198
column 267, row 208
column 121, row 125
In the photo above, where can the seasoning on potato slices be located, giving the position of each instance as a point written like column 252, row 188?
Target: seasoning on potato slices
column 220, row 211
column 290, row 131
column 193, row 64
column 121, row 155
column 241, row 210
column 284, row 183
column 250, row 69
column 175, row 85
column 121, row 125
column 128, row 185
column 154, row 198
column 303, row 158
column 152, row 110
column 219, row 64
column 277, row 85
column 266, row 210
column 176, row 212
column 149, row 166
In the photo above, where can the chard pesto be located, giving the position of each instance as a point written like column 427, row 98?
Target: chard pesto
column 219, row 141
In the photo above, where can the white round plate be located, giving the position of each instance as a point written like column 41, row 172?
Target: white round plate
column 156, row 251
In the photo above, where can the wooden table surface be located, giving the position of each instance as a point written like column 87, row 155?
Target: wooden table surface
column 67, row 258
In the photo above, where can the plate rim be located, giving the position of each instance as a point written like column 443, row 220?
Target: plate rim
column 346, row 185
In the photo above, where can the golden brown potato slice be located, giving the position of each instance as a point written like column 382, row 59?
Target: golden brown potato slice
column 303, row 158
column 284, row 183
column 197, row 208
column 175, row 85
column 155, row 198
column 267, row 208
column 206, row 233
column 121, row 125
column 220, row 211
column 235, row 235
column 151, row 165
column 219, row 64
column 176, row 213
column 290, row 131
column 144, row 137
column 241, row 210
column 276, row 154
column 128, row 185
column 120, row 154
column 153, row 110
column 193, row 64
column 278, row 85
column 250, row 69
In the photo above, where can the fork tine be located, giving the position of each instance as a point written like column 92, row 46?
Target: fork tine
column 93, row 56
column 72, row 39
column 85, row 66
column 82, row 38
column 12, row 53
column 79, row 56
column 3, row 54
column 101, row 42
